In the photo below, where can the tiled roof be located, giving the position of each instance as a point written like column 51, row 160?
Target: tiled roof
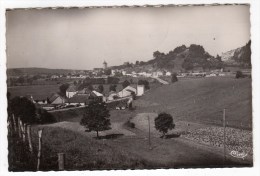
column 72, row 88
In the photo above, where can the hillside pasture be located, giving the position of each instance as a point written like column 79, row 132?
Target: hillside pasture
column 42, row 91
column 202, row 101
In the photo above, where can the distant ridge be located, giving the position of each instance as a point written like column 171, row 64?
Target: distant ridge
column 37, row 70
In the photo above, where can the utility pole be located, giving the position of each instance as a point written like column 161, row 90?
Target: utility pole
column 224, row 135
column 149, row 130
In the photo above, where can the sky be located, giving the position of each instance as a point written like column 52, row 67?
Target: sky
column 85, row 38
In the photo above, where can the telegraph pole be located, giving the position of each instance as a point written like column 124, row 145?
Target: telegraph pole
column 149, row 135
column 224, row 135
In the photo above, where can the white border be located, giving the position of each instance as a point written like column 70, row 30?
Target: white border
column 255, row 29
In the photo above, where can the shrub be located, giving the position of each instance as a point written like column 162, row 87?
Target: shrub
column 174, row 77
column 130, row 124
column 45, row 117
column 239, row 74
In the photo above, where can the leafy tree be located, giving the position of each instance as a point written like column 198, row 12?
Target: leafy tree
column 239, row 74
column 23, row 108
column 125, row 83
column 163, row 123
column 75, row 83
column 112, row 87
column 174, row 77
column 96, row 117
column 145, row 83
column 63, row 88
column 90, row 87
column 45, row 117
column 137, row 63
column 100, row 88
column 218, row 58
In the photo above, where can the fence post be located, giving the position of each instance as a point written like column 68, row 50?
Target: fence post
column 19, row 127
column 29, row 138
column 14, row 121
column 61, row 160
column 39, row 150
column 22, row 130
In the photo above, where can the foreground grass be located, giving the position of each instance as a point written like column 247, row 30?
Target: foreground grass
column 82, row 153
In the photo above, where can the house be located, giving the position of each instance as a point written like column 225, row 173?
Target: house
column 126, row 92
column 78, row 99
column 140, row 90
column 84, row 91
column 112, row 96
column 157, row 74
column 94, row 95
column 56, row 99
column 71, row 91
column 39, row 99
column 168, row 73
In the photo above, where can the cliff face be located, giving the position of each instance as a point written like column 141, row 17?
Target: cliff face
column 238, row 57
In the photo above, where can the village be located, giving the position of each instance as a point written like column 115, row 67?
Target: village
column 78, row 94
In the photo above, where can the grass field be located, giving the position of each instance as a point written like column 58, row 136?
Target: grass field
column 34, row 90
column 202, row 101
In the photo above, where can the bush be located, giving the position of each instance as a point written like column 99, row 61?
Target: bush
column 45, row 117
column 239, row 74
column 130, row 124
column 174, row 77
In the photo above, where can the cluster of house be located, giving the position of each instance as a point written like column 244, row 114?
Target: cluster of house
column 157, row 73
column 77, row 98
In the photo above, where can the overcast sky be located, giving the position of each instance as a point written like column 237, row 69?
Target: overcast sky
column 84, row 38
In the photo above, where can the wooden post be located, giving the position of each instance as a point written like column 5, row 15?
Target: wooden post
column 19, row 127
column 149, row 137
column 29, row 138
column 14, row 121
column 224, row 135
column 61, row 160
column 22, row 130
column 39, row 150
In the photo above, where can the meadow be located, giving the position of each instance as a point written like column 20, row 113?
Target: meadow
column 202, row 100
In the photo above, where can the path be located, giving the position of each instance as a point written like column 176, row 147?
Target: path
column 161, row 80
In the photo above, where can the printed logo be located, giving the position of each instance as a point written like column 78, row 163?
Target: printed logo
column 238, row 154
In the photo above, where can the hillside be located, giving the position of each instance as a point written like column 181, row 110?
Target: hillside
column 202, row 100
column 238, row 57
column 179, row 59
column 35, row 70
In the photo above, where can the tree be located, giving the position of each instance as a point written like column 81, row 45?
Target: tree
column 174, row 77
column 145, row 83
column 112, row 87
column 63, row 88
column 163, row 123
column 239, row 74
column 100, row 88
column 125, row 83
column 23, row 108
column 96, row 117
column 137, row 62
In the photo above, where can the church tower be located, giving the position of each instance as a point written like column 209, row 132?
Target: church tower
column 104, row 65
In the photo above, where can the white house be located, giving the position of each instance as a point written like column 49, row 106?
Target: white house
column 71, row 91
column 140, row 90
column 112, row 96
column 168, row 73
column 126, row 92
